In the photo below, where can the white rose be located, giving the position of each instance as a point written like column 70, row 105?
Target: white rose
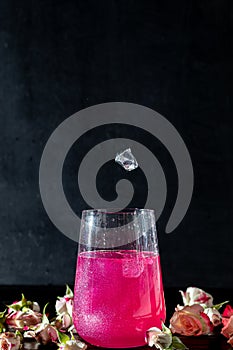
column 194, row 295
column 64, row 306
column 73, row 345
column 10, row 338
column 4, row 344
column 158, row 338
column 214, row 316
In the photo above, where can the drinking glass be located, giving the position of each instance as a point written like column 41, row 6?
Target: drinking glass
column 118, row 292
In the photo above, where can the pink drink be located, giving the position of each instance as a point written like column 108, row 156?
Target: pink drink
column 118, row 296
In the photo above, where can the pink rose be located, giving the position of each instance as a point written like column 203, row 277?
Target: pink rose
column 23, row 320
column 194, row 295
column 72, row 344
column 5, row 344
column 64, row 309
column 191, row 320
column 23, row 305
column 155, row 336
column 47, row 335
column 10, row 340
column 64, row 306
column 227, row 330
column 228, row 311
column 65, row 321
column 230, row 341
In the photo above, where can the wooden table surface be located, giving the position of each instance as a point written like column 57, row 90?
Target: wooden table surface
column 44, row 294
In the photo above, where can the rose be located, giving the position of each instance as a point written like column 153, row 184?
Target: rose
column 64, row 305
column 230, row 341
column 191, row 320
column 47, row 334
column 64, row 309
column 4, row 344
column 24, row 305
column 227, row 313
column 194, row 295
column 72, row 345
column 23, row 320
column 227, row 330
column 214, row 316
column 63, row 321
column 227, row 320
column 10, row 340
column 160, row 339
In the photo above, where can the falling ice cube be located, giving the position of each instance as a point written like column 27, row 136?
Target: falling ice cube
column 127, row 160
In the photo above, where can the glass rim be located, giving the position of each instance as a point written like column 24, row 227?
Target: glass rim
column 115, row 211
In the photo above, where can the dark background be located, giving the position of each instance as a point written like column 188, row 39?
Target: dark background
column 58, row 57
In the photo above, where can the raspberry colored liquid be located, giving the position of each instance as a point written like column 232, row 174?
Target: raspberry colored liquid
column 118, row 296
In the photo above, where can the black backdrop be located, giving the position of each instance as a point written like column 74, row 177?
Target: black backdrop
column 58, row 57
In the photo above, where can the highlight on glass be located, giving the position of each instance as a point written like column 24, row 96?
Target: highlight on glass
column 118, row 291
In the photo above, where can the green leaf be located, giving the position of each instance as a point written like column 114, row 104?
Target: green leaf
column 15, row 306
column 24, row 300
column 2, row 314
column 177, row 344
column 2, row 320
column 69, row 292
column 165, row 329
column 45, row 319
column 20, row 334
column 2, row 327
column 218, row 306
column 72, row 336
column 22, row 305
column 63, row 338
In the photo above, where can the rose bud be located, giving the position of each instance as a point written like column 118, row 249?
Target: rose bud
column 194, row 295
column 35, row 306
column 227, row 330
column 23, row 305
column 191, row 320
column 161, row 340
column 66, row 321
column 64, row 309
column 230, row 341
column 13, row 339
column 72, row 345
column 47, row 335
column 214, row 316
column 63, row 321
column 228, row 311
column 64, row 306
column 29, row 334
column 4, row 344
column 23, row 320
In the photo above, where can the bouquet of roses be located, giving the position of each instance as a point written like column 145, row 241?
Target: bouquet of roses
column 22, row 319
column 198, row 316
